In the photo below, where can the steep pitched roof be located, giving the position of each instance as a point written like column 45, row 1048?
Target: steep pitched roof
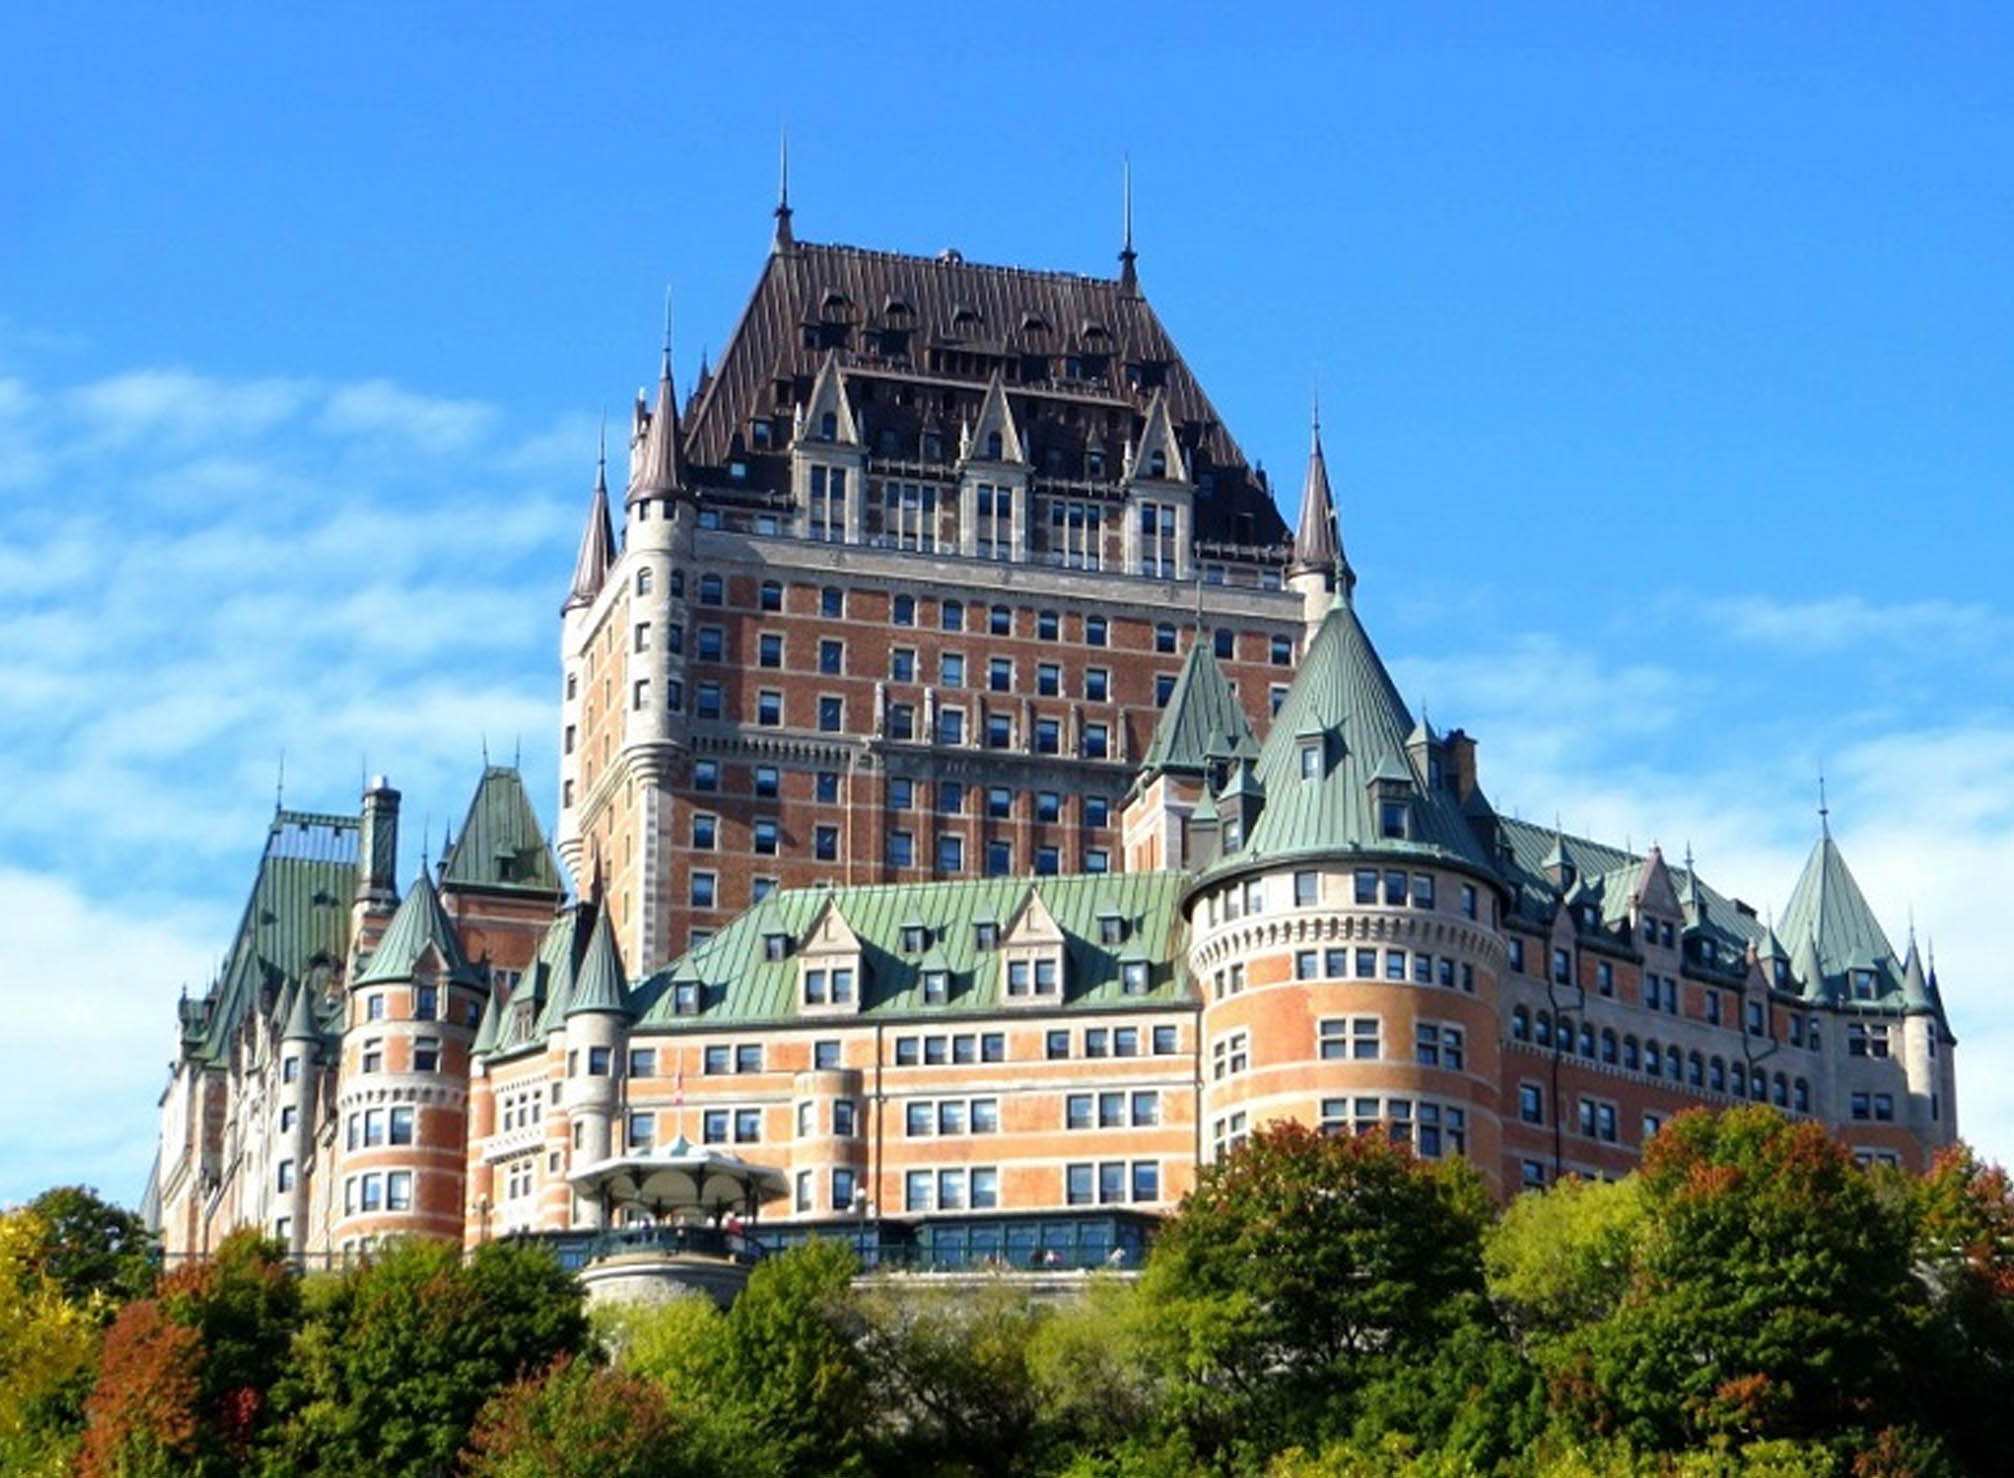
column 600, row 985
column 742, row 984
column 297, row 918
column 954, row 322
column 597, row 546
column 1344, row 700
column 501, row 845
column 1318, row 544
column 419, row 925
column 1829, row 912
column 1202, row 721
column 660, row 469
column 829, row 398
column 995, row 415
column 1157, row 439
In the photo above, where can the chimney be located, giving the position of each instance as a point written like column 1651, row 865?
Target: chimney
column 1458, row 755
column 377, row 868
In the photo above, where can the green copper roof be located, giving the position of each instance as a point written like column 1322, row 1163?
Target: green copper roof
column 303, row 1021
column 295, row 924
column 1202, row 721
column 1344, row 702
column 490, row 1027
column 501, row 845
column 599, row 986
column 741, row 984
column 420, row 922
column 1828, row 911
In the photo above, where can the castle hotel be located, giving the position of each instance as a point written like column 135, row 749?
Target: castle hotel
column 976, row 804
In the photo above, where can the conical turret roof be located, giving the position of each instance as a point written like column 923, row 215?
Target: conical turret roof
column 421, row 923
column 1202, row 721
column 303, row 1024
column 502, row 846
column 1318, row 545
column 597, row 545
column 660, row 470
column 491, row 1026
column 600, row 986
column 1828, row 909
column 1345, row 700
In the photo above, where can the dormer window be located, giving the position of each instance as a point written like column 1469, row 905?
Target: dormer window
column 936, row 987
column 775, row 946
column 685, row 998
column 915, row 938
column 825, row 986
column 1781, row 973
column 993, row 446
column 1392, row 819
column 828, row 426
column 1157, row 464
column 986, row 935
column 1311, row 759
column 1134, row 977
column 1111, row 929
column 1863, row 985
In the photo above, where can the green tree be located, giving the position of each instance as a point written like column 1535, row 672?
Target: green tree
column 101, row 1255
column 1303, row 1268
column 579, row 1420
column 1752, row 1286
column 398, row 1354
column 1963, row 1215
column 48, row 1345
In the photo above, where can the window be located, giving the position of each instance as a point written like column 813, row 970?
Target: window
column 285, row 1181
column 1224, row 643
column 1097, row 742
column 769, row 708
column 842, row 1189
column 1097, row 684
column 643, row 1062
column 950, row 853
column 831, row 657
column 712, row 645
column 999, row 858
column 844, row 1118
column 1000, row 620
column 768, row 647
column 1530, row 1103
column 950, row 726
column 951, row 616
column 399, row 1190
column 1048, row 736
column 1077, row 1184
column 901, row 849
column 825, row 843
column 1516, row 950
column 832, row 602
column 999, row 731
column 1282, row 651
column 706, row 775
column 706, row 701
column 1356, row 1038
column 701, row 891
column 1229, row 1055
column 1094, row 631
column 374, row 1055
column 426, row 1054
column 704, row 830
column 290, row 1069
column 710, row 590
column 831, row 714
column 1562, row 967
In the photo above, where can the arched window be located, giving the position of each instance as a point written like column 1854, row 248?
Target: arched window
column 1653, row 1058
column 828, row 426
column 1157, row 465
column 1672, row 1061
column 1608, row 1046
column 643, row 581
column 1520, row 1024
column 1543, row 1032
column 1632, row 1055
column 993, row 446
column 1716, row 1074
column 1586, row 1040
column 1800, row 1096
column 1780, row 1091
column 1758, row 1086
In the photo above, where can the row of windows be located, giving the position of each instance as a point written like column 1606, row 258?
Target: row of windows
column 974, row 1188
column 845, row 1119
column 925, row 1117
column 1111, row 1182
column 1433, row 1129
column 1111, row 1110
column 426, row 1004
column 1391, row 964
column 998, row 854
column 1393, row 888
column 994, row 620
column 372, row 1127
column 731, row 1126
column 1115, row 1041
column 426, row 1055
column 390, row 1191
column 951, row 796
column 1653, row 1060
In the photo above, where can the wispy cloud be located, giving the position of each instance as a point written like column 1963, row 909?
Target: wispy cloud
column 378, row 407
column 1843, row 622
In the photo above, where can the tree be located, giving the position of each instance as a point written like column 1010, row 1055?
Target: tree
column 579, row 1420
column 99, row 1254
column 1963, row 1215
column 1752, row 1286
column 47, row 1347
column 1302, row 1268
column 144, row 1415
column 398, row 1354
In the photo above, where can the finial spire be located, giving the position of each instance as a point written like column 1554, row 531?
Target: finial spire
column 1824, row 811
column 1129, row 276
column 784, row 240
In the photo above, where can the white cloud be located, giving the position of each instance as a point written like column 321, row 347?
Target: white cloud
column 174, row 409
column 1844, row 622
column 378, row 407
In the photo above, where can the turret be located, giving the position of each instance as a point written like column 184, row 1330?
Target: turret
column 377, row 891
column 1319, row 567
column 597, row 1022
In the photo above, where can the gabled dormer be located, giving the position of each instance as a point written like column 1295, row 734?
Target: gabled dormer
column 1391, row 788
column 831, row 969
column 1654, row 909
column 993, row 481
column 1160, row 500
column 828, row 461
column 1032, row 955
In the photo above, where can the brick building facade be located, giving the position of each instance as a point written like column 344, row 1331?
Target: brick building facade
column 985, row 812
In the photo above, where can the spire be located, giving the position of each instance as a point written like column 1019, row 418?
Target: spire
column 600, row 986
column 1824, row 811
column 597, row 540
column 1317, row 543
column 784, row 239
column 1129, row 276
column 659, row 472
column 301, row 1024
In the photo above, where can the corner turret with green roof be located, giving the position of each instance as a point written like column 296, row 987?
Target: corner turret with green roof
column 420, row 925
column 1202, row 726
column 1335, row 764
column 600, row 987
column 1840, row 953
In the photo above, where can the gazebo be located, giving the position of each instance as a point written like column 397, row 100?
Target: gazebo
column 698, row 1208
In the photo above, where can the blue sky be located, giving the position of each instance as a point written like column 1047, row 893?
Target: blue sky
column 1665, row 355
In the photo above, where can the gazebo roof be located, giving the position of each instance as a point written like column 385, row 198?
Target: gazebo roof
column 680, row 1178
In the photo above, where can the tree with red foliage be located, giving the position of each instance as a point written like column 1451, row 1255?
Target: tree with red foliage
column 142, row 1418
column 576, row 1420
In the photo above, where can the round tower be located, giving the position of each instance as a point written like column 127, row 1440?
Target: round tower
column 597, row 1022
column 410, row 1016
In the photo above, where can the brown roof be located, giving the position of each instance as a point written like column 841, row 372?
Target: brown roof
column 918, row 339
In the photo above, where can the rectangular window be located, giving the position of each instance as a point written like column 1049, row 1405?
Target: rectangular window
column 401, row 1124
